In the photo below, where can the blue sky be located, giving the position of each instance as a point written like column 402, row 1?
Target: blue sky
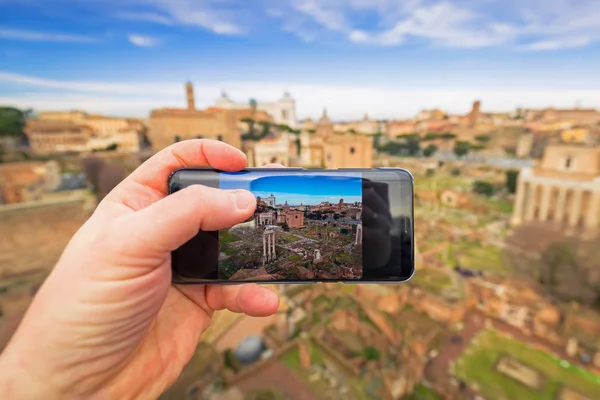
column 388, row 58
column 297, row 189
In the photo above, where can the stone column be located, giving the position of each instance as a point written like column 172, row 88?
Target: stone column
column 519, row 203
column 530, row 201
column 269, row 246
column 592, row 219
column 545, row 206
column 264, row 248
column 574, row 212
column 274, row 254
column 560, row 205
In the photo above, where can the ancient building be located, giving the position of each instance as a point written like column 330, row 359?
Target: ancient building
column 364, row 126
column 564, row 189
column 393, row 129
column 57, row 136
column 276, row 149
column 294, row 219
column 170, row 125
column 283, row 111
column 564, row 116
column 96, row 132
column 331, row 150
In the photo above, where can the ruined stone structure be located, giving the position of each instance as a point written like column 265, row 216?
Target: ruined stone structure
column 317, row 255
column 269, row 246
column 359, row 235
column 265, row 218
column 563, row 190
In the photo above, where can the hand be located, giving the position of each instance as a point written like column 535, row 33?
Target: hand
column 107, row 323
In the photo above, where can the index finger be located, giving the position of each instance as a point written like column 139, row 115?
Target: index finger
column 154, row 173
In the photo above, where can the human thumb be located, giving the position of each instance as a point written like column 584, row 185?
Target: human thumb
column 172, row 221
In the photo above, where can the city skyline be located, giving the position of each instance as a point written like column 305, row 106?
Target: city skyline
column 297, row 189
column 382, row 57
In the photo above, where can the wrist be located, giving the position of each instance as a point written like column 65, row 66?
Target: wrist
column 16, row 382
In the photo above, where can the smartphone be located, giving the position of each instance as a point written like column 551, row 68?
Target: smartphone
column 347, row 225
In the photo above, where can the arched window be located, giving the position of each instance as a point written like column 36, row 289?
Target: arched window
column 220, row 138
column 177, row 138
column 352, row 150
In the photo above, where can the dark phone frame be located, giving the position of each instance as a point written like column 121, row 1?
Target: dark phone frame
column 174, row 185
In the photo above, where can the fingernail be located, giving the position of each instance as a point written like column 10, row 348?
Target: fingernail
column 243, row 200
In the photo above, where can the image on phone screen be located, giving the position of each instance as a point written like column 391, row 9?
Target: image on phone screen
column 305, row 227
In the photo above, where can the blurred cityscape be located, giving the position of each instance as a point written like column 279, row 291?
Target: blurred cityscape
column 506, row 298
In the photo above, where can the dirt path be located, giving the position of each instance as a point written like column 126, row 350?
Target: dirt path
column 278, row 375
column 439, row 367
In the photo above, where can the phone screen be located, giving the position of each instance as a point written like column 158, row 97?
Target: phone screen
column 308, row 226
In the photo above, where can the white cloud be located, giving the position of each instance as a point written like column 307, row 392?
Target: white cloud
column 38, row 36
column 146, row 16
column 142, row 41
column 568, row 43
column 208, row 14
column 342, row 102
column 330, row 18
column 465, row 24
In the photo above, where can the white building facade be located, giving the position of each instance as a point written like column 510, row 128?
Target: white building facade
column 283, row 110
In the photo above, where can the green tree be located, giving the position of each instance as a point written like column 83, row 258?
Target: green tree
column 483, row 188
column 430, row 150
column 371, row 353
column 112, row 147
column 284, row 127
column 412, row 145
column 266, row 128
column 461, row 148
column 511, row 180
column 12, row 121
column 250, row 122
column 377, row 140
column 431, row 136
column 448, row 135
column 392, row 148
column 482, row 138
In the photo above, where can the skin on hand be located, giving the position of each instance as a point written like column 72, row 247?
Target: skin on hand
column 108, row 323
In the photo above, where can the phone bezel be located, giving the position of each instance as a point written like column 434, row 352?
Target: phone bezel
column 176, row 279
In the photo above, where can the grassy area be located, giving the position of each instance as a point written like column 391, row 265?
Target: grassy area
column 227, row 237
column 440, row 282
column 287, row 237
column 478, row 366
column 442, row 181
column 422, row 392
column 481, row 258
